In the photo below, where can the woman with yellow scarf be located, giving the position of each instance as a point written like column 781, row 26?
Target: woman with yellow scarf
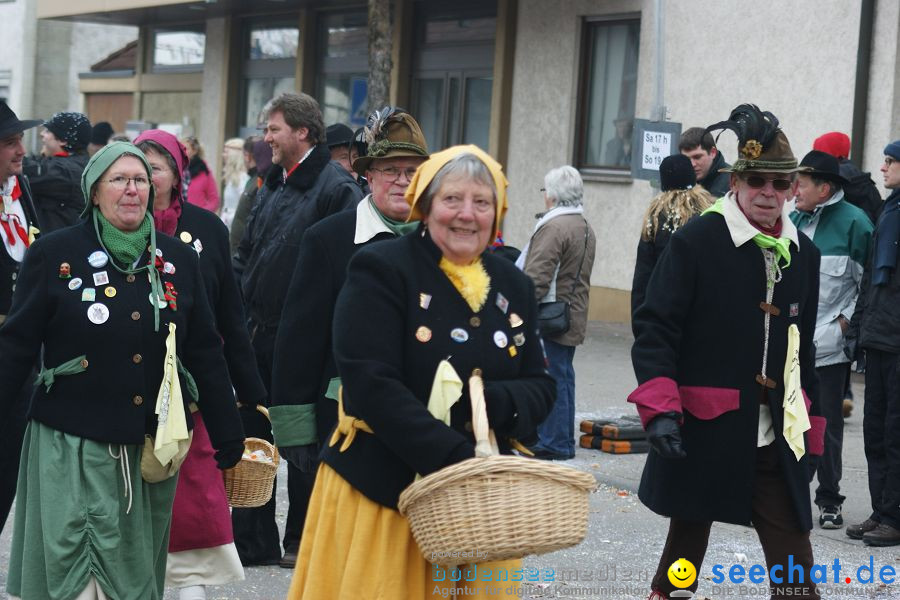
column 431, row 302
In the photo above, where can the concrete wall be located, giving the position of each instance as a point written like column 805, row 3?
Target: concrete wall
column 796, row 59
column 17, row 29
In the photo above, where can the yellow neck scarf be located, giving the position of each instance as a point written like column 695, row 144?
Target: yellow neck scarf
column 471, row 281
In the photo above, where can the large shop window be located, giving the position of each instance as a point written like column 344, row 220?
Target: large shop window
column 606, row 100
column 269, row 66
column 453, row 67
column 178, row 49
column 342, row 74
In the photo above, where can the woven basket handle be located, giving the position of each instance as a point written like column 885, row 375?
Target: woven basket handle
column 485, row 442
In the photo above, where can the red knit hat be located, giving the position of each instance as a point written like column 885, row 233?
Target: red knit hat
column 834, row 143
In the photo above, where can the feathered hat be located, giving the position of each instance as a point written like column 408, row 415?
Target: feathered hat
column 391, row 132
column 762, row 146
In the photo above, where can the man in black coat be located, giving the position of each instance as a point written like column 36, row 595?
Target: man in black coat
column 55, row 175
column 303, row 187
column 875, row 328
column 19, row 222
column 698, row 145
column 305, row 379
column 724, row 357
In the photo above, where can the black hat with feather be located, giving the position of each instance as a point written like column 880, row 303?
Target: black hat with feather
column 391, row 132
column 762, row 146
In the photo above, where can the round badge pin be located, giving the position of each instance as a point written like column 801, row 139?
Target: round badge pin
column 423, row 334
column 97, row 313
column 168, row 268
column 98, row 259
column 110, row 291
column 459, row 335
column 74, row 284
column 185, row 237
column 500, row 339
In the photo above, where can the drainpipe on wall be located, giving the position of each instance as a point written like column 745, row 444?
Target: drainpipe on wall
column 861, row 91
column 659, row 110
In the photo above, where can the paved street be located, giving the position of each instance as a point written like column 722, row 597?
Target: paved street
column 624, row 540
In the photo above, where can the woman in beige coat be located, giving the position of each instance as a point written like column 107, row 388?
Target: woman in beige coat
column 559, row 258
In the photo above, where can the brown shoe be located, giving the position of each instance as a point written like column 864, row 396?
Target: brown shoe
column 847, row 407
column 858, row 531
column 288, row 560
column 883, row 535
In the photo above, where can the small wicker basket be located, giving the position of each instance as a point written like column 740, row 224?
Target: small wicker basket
column 250, row 483
column 496, row 507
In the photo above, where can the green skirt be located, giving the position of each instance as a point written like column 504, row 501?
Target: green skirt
column 73, row 520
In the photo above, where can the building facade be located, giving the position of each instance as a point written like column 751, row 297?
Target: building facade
column 537, row 83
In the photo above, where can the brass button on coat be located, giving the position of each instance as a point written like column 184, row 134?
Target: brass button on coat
column 475, row 322
column 137, row 358
column 138, row 400
column 130, row 278
column 135, row 316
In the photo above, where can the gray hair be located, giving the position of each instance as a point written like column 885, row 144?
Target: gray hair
column 465, row 165
column 564, row 186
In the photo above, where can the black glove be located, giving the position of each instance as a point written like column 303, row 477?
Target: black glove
column 305, row 458
column 664, row 434
column 501, row 411
column 229, row 454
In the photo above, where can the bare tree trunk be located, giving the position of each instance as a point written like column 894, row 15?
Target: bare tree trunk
column 379, row 53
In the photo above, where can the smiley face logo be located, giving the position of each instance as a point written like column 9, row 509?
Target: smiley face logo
column 682, row 573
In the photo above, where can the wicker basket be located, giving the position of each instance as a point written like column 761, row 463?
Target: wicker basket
column 250, row 483
column 496, row 507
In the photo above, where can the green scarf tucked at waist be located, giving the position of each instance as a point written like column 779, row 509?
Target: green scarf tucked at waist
column 398, row 228
column 124, row 246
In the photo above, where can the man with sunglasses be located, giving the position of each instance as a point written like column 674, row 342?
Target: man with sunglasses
column 304, row 379
column 725, row 360
column 875, row 328
column 843, row 234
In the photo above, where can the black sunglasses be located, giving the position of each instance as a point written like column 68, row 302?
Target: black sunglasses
column 757, row 182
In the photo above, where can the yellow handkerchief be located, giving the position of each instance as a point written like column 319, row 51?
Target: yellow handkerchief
column 171, row 429
column 446, row 390
column 796, row 419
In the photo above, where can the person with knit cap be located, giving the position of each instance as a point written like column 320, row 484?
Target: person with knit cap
column 859, row 189
column 680, row 199
column 875, row 329
column 119, row 319
column 304, row 377
column 201, row 545
column 100, row 134
column 416, row 311
column 723, row 352
column 55, row 175
column 843, row 234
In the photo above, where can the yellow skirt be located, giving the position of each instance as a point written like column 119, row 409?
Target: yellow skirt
column 355, row 548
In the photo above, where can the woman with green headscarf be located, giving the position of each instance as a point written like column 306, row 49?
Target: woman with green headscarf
column 118, row 318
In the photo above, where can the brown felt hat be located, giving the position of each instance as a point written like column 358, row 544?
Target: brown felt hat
column 762, row 145
column 391, row 133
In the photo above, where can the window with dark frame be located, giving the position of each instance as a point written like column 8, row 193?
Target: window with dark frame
column 179, row 48
column 607, row 92
column 268, row 67
column 343, row 67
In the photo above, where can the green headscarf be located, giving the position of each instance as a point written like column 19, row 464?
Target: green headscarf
column 125, row 247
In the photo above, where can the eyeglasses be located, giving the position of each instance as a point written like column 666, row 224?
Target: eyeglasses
column 121, row 182
column 393, row 173
column 888, row 160
column 757, row 182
